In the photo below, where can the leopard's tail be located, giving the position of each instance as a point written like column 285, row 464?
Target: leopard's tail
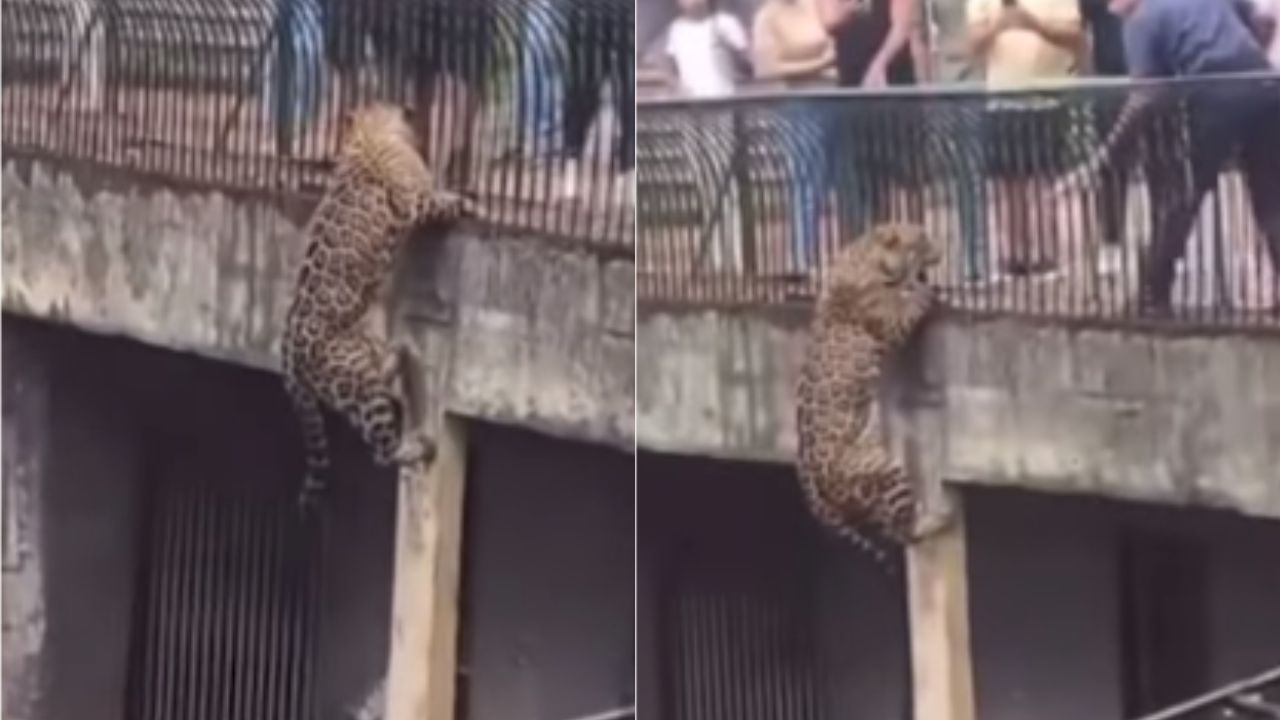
column 886, row 556
column 856, row 531
column 315, row 443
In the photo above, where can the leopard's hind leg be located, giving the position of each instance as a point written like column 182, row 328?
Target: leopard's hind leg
column 834, row 518
column 316, row 444
column 884, row 495
column 359, row 386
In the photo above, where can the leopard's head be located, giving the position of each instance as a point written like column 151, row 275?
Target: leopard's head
column 377, row 125
column 902, row 253
column 871, row 269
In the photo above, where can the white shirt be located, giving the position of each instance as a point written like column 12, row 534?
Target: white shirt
column 1271, row 9
column 700, row 49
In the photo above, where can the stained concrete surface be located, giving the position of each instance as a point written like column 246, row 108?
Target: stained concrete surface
column 1033, row 404
column 510, row 328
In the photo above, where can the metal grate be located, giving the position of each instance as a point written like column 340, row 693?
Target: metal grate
column 742, row 654
column 228, row 606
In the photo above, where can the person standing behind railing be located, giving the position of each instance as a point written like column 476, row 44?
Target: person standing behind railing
column 1106, row 38
column 542, row 54
column 705, row 49
column 873, row 50
column 1025, row 43
column 599, row 49
column 294, row 82
column 1266, row 20
column 1190, row 38
column 791, row 46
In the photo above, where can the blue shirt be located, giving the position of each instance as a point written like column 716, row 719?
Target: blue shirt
column 1171, row 38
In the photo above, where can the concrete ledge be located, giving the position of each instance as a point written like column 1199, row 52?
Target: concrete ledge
column 515, row 330
column 1182, row 420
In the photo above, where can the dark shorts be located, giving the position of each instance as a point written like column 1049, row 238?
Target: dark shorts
column 1026, row 142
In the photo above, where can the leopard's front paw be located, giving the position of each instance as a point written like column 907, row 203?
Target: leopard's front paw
column 448, row 205
column 467, row 205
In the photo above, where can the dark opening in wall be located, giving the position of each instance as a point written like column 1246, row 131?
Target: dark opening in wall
column 1088, row 607
column 1164, row 614
column 750, row 611
column 172, row 549
column 548, row 578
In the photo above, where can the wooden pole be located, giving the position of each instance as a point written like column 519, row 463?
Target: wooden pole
column 421, row 675
column 941, row 664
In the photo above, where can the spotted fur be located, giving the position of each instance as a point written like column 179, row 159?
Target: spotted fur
column 381, row 188
column 875, row 296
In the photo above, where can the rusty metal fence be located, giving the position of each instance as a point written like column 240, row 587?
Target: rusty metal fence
column 744, row 200
column 529, row 104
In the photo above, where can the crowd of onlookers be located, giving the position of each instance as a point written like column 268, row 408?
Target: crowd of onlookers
column 1014, row 45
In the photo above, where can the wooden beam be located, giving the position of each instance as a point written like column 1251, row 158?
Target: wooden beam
column 941, row 664
column 422, row 672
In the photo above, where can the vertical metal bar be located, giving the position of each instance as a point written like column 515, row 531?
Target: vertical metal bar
column 232, row 632
column 155, row 633
column 256, row 628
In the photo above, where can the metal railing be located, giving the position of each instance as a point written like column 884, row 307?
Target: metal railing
column 528, row 104
column 1238, row 701
column 744, row 200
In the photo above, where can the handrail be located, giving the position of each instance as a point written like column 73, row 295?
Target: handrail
column 1223, row 695
column 745, row 200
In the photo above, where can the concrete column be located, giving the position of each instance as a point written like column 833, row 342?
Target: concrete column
column 941, row 662
column 424, row 615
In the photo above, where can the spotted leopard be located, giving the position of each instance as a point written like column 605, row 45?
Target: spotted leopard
column 380, row 189
column 876, row 295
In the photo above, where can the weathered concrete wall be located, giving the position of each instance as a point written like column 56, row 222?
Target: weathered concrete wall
column 1001, row 402
column 512, row 328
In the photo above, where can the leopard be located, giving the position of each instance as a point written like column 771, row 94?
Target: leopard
column 379, row 191
column 876, row 295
